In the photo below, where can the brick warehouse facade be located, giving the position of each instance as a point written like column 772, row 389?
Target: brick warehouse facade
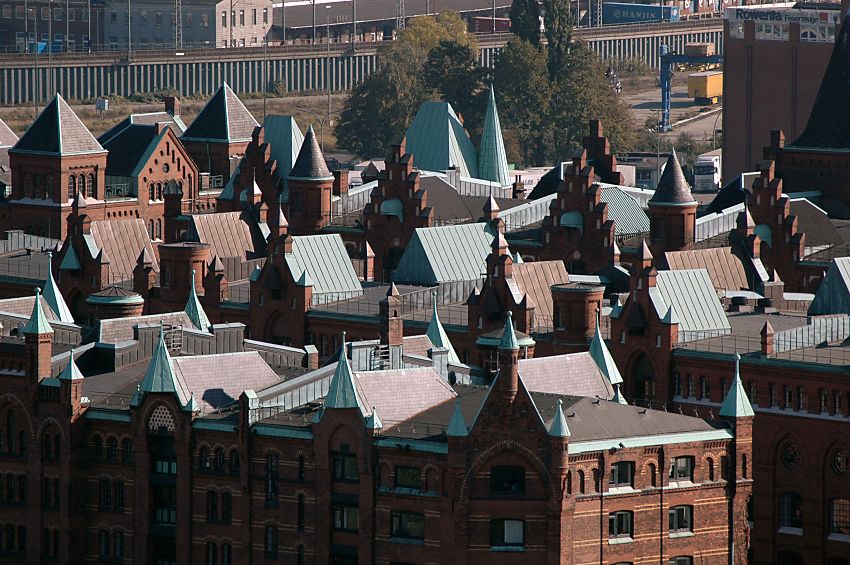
column 333, row 483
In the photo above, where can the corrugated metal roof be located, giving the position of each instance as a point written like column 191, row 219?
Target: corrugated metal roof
column 326, row 262
column 445, row 253
column 225, row 232
column 627, row 214
column 492, row 160
column 833, row 294
column 123, row 242
column 536, row 279
column 694, row 299
column 724, row 268
column 438, row 142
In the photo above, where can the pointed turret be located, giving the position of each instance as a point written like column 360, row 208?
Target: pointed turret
column 38, row 324
column 670, row 318
column 195, row 310
column 437, row 334
column 310, row 164
column 53, row 296
column 492, row 159
column 737, row 404
column 603, row 359
column 71, row 372
column 509, row 340
column 672, row 189
column 373, row 422
column 162, row 378
column 457, row 425
column 343, row 392
column 559, row 427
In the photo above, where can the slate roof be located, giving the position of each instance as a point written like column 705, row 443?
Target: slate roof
column 438, row 142
column 815, row 223
column 695, row 301
column 833, row 293
column 403, row 393
column 225, row 232
column 724, row 268
column 128, row 147
column 575, row 374
column 449, row 205
column 23, row 307
column 324, row 259
column 117, row 330
column 445, row 253
column 535, row 279
column 827, row 125
column 218, row 380
column 492, row 159
column 123, row 242
column 58, row 131
column 224, row 119
column 672, row 187
column 7, row 136
column 310, row 163
column 149, row 119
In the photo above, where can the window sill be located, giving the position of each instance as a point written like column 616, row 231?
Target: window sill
column 844, row 538
column 508, row 548
column 790, row 531
column 407, row 541
column 681, row 484
column 626, row 489
column 674, row 535
column 619, row 541
column 404, row 491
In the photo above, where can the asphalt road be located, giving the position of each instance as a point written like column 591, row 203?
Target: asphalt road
column 647, row 104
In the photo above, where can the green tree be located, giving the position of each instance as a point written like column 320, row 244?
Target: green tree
column 452, row 74
column 559, row 35
column 525, row 20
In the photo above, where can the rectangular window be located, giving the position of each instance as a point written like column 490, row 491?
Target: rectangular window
column 409, row 525
column 724, row 387
column 45, row 13
column 72, row 14
column 254, row 16
column 839, row 516
column 677, row 385
column 802, row 399
column 704, row 389
column 19, row 12
column 165, row 505
column 790, row 510
column 507, row 480
column 773, row 400
column 242, row 17
column 271, row 542
column 408, row 477
column 346, row 518
column 507, row 533
column 143, row 17
column 824, row 400
column 226, row 507
column 190, row 18
column 265, row 15
column 84, row 14
column 681, row 561
column 681, row 519
column 691, row 388
column 58, row 14
column 158, row 17
column 7, row 11
column 682, row 469
column 753, row 392
column 788, row 396
column 622, row 474
column 836, row 402
column 620, row 525
column 205, row 20
column 345, row 467
column 224, row 19
column 104, row 494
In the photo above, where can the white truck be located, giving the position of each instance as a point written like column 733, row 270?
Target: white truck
column 707, row 171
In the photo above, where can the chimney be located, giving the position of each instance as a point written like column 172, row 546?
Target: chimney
column 767, row 339
column 160, row 127
column 172, row 105
column 340, row 182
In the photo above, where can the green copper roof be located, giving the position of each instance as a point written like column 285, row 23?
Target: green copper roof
column 492, row 159
column 71, row 372
column 285, row 139
column 195, row 310
column 161, row 377
column 38, row 323
column 457, row 425
column 343, row 392
column 53, row 296
column 602, row 357
column 618, row 397
column 736, row 404
column 373, row 422
column 438, row 142
column 437, row 334
column 509, row 340
column 559, row 426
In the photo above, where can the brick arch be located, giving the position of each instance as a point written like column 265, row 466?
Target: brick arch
column 13, row 399
column 46, row 423
column 505, row 445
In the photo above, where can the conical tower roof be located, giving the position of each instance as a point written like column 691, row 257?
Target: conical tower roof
column 53, row 296
column 672, row 187
column 438, row 336
column 71, row 372
column 223, row 119
column 509, row 340
column 38, row 323
column 343, row 392
column 492, row 159
column 559, row 427
column 58, row 131
column 195, row 310
column 827, row 125
column 736, row 403
column 310, row 164
column 373, row 422
column 602, row 357
column 161, row 377
column 457, row 425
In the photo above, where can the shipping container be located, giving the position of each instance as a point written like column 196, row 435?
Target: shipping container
column 624, row 13
column 484, row 24
column 699, row 49
column 706, row 87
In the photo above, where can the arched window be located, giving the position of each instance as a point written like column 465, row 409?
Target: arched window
column 204, row 459
column 212, row 553
column 22, row 443
column 126, row 450
column 46, row 447
column 48, row 187
column 271, row 541
column 839, row 516
column 158, row 229
column 225, row 554
column 569, row 487
column 234, row 462
column 82, row 182
column 151, row 230
column 159, row 191
column 300, row 513
column 72, row 186
column 97, row 447
column 103, row 539
column 710, row 462
column 212, row 505
column 10, row 431
column 118, row 545
column 744, row 466
column 652, row 475
column 92, row 185
column 300, row 467
column 581, row 485
column 271, row 478
column 226, row 507
column 57, row 446
column 218, row 462
column 151, row 194
column 111, row 449
column 22, row 488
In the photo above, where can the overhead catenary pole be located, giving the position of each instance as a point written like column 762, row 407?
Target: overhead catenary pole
column 353, row 24
column 67, row 28
column 88, row 18
column 314, row 21
column 129, row 32
column 328, row 70
column 50, row 48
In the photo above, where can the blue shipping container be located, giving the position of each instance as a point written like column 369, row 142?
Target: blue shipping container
column 623, row 13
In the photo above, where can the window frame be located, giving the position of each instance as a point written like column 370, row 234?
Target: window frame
column 680, row 519
column 400, row 525
column 499, row 535
column 617, row 469
column 621, row 524
column 512, row 475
